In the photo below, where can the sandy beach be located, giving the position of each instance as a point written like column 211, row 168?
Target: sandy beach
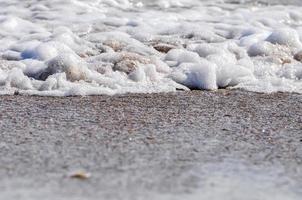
column 185, row 145
column 151, row 100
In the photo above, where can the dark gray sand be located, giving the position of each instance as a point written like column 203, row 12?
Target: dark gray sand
column 186, row 145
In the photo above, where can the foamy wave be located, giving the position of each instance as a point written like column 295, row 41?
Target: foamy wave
column 118, row 46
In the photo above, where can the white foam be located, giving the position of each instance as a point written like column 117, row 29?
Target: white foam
column 115, row 46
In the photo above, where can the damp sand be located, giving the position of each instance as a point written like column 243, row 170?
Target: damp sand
column 228, row 144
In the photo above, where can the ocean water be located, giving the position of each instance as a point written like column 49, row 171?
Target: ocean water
column 87, row 47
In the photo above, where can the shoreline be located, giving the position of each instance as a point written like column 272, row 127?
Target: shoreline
column 220, row 90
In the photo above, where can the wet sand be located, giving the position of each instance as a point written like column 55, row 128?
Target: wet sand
column 148, row 146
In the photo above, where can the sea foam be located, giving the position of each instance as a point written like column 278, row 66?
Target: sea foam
column 112, row 47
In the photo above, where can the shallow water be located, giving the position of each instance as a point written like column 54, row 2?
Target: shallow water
column 79, row 47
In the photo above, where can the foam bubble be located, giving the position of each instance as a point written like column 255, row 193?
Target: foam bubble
column 286, row 36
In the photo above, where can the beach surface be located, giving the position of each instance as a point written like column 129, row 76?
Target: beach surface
column 226, row 144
